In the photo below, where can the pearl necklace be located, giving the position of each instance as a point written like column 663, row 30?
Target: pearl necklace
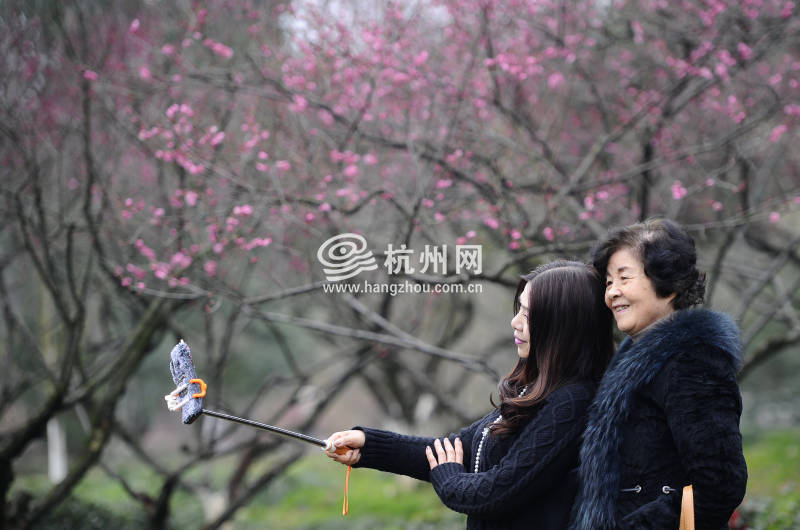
column 486, row 433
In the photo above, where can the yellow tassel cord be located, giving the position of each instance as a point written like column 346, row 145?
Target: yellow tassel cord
column 346, row 501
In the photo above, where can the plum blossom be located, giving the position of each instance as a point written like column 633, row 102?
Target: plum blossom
column 678, row 191
column 777, row 132
column 160, row 270
column 745, row 52
column 138, row 272
column 299, row 103
column 180, row 260
column 555, row 80
column 218, row 48
column 257, row 242
column 217, row 138
column 244, row 210
column 145, row 251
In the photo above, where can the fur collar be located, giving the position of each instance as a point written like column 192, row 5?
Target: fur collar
column 634, row 366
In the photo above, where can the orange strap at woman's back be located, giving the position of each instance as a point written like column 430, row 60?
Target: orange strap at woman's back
column 687, row 509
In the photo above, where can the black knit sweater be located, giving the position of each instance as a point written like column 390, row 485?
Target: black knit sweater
column 525, row 480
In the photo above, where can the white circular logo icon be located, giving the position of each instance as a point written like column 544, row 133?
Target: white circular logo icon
column 344, row 256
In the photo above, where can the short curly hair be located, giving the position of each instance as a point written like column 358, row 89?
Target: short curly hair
column 667, row 252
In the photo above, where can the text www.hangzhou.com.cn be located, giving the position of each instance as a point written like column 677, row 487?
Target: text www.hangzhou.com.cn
column 404, row 287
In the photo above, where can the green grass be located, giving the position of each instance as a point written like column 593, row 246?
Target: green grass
column 773, row 497
column 773, row 463
column 310, row 496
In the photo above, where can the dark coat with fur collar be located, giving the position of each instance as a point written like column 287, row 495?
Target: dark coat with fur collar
column 666, row 415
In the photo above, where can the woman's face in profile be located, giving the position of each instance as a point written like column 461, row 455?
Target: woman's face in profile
column 630, row 294
column 519, row 323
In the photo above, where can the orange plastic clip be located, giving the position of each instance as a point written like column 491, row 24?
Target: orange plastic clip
column 203, row 387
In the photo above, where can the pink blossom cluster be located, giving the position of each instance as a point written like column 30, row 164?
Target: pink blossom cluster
column 226, row 52
column 678, row 190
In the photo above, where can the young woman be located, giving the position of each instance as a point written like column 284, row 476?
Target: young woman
column 667, row 411
column 514, row 468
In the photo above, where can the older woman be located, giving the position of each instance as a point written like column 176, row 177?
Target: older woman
column 667, row 411
column 514, row 468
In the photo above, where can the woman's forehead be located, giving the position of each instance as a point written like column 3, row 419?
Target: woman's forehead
column 622, row 259
column 524, row 295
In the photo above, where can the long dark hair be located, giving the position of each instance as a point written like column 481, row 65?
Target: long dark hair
column 570, row 338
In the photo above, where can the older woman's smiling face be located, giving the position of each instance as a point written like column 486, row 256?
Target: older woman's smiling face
column 630, row 294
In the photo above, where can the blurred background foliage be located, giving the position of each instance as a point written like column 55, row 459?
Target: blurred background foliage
column 170, row 170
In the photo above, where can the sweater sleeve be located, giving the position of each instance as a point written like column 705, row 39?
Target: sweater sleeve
column 403, row 454
column 703, row 406
column 542, row 455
